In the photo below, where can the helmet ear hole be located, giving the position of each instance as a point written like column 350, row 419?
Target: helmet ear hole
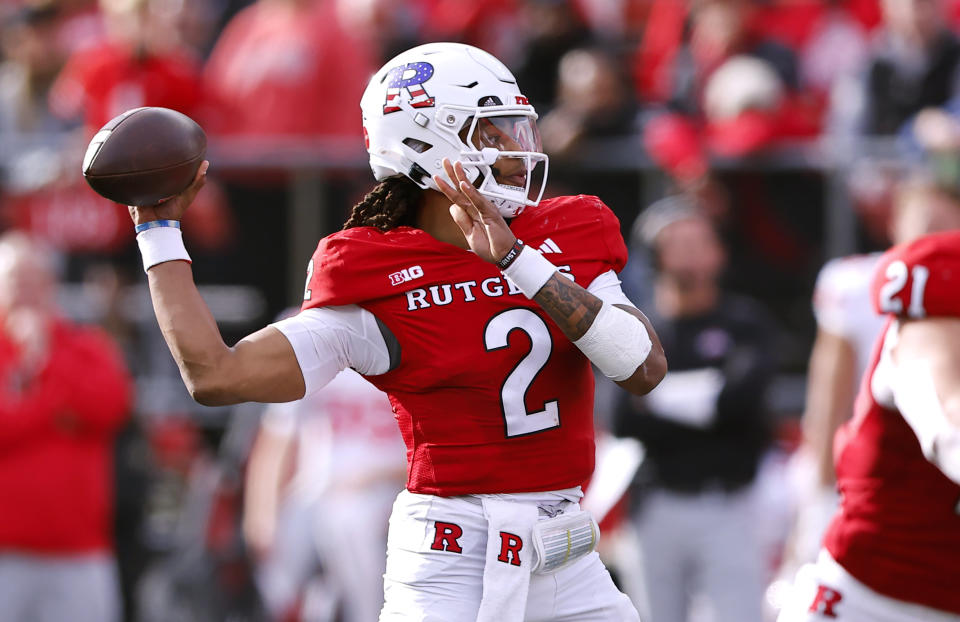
column 417, row 145
column 417, row 173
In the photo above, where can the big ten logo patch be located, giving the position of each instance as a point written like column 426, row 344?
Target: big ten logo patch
column 410, row 77
column 407, row 274
column 825, row 601
column 446, row 537
column 510, row 546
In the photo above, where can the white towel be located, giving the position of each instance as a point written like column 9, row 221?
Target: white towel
column 505, row 584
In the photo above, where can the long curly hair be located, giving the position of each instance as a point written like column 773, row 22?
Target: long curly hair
column 394, row 202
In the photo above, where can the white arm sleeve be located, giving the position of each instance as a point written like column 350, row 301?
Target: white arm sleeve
column 607, row 288
column 617, row 342
column 330, row 339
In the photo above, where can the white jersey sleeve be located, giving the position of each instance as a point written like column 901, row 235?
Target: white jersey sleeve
column 330, row 339
column 841, row 297
column 607, row 288
column 841, row 304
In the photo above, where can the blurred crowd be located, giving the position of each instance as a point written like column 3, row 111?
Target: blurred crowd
column 704, row 92
column 691, row 82
column 736, row 111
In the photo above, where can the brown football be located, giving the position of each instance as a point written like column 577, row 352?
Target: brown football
column 144, row 155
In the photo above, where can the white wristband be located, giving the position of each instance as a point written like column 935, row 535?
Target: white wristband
column 529, row 271
column 161, row 244
column 617, row 343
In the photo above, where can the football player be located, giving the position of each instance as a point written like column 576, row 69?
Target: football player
column 890, row 551
column 345, row 461
column 478, row 309
column 847, row 327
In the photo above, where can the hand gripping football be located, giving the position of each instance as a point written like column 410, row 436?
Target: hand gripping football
column 144, row 155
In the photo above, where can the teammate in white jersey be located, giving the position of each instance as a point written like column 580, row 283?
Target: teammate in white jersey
column 349, row 466
column 846, row 329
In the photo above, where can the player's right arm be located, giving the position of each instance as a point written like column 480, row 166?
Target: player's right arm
column 261, row 367
column 267, row 471
column 926, row 387
column 841, row 307
column 830, row 393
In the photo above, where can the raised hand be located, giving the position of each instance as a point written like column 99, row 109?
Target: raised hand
column 486, row 231
column 174, row 207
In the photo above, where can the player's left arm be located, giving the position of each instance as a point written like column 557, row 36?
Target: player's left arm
column 617, row 338
column 614, row 336
column 926, row 387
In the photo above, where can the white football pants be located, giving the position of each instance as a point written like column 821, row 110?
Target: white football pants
column 436, row 551
column 826, row 592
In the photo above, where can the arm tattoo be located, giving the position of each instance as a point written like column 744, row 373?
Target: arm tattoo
column 571, row 307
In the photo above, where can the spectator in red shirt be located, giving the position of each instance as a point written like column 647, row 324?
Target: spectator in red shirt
column 733, row 93
column 139, row 63
column 287, row 68
column 64, row 392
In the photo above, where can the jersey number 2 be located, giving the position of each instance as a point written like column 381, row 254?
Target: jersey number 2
column 513, row 394
column 307, row 292
column 897, row 278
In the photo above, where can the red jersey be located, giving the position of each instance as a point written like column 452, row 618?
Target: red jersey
column 489, row 394
column 898, row 528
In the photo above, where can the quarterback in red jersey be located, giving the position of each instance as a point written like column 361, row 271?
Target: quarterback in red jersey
column 483, row 342
column 890, row 553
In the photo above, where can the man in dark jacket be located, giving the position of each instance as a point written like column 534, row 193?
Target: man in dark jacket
column 704, row 428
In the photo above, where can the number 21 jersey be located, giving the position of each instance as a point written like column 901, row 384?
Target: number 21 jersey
column 898, row 527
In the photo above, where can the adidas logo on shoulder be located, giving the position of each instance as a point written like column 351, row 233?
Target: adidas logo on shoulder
column 549, row 246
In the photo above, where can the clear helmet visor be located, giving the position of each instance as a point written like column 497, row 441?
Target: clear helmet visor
column 507, row 133
column 510, row 146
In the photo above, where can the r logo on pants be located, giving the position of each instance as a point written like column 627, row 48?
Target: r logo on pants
column 825, row 601
column 445, row 537
column 510, row 545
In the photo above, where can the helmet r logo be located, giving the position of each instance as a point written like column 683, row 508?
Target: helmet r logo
column 411, row 77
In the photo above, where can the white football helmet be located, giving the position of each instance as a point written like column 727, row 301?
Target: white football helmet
column 450, row 100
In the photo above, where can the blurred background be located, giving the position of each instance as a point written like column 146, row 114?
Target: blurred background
column 786, row 125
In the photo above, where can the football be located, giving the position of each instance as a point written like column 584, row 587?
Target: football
column 144, row 155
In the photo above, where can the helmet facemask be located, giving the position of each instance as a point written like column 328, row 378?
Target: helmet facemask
column 503, row 144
